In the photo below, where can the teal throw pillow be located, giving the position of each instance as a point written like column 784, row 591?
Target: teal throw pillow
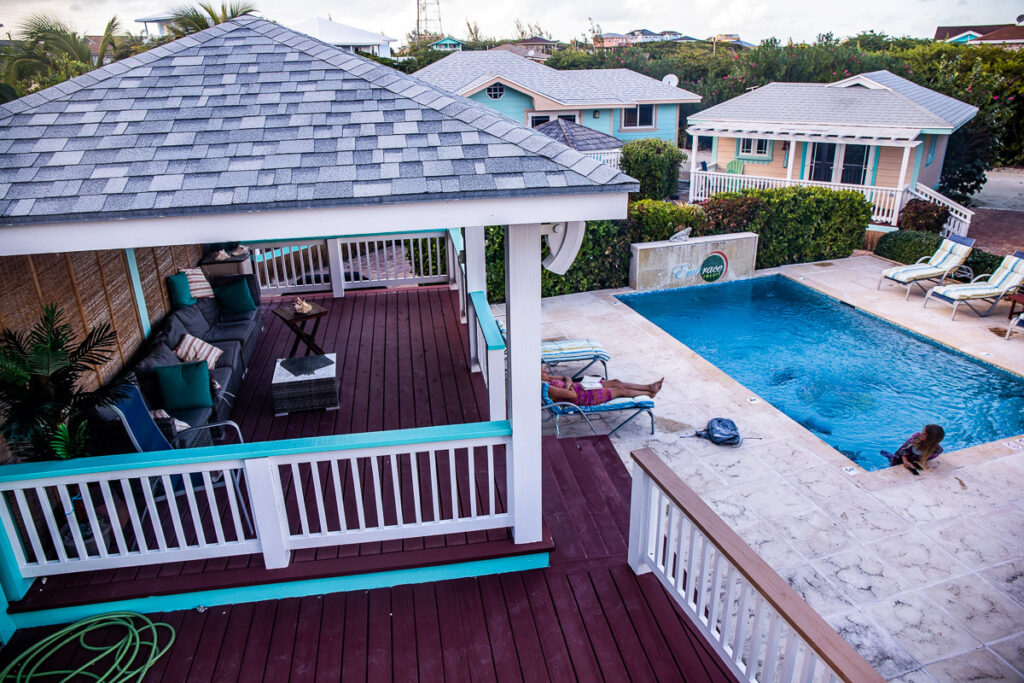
column 235, row 297
column 177, row 287
column 185, row 386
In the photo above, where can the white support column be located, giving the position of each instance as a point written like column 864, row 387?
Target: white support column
column 522, row 296
column 336, row 265
column 476, row 281
column 693, row 164
column 903, row 168
column 792, row 160
column 268, row 511
column 837, row 163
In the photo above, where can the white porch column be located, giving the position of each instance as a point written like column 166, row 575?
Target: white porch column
column 903, row 168
column 336, row 265
column 693, row 163
column 792, row 159
column 476, row 281
column 837, row 163
column 522, row 296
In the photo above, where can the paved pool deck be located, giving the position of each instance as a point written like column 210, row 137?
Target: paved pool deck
column 924, row 576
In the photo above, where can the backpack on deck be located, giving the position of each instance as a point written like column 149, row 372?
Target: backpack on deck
column 721, row 431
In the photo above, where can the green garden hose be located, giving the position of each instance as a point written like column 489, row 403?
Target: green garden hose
column 127, row 659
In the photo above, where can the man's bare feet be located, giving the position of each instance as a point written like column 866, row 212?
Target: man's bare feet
column 656, row 386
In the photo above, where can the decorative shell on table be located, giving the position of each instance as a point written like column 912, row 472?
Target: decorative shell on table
column 301, row 306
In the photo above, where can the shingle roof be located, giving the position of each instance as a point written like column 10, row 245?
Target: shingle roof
column 251, row 116
column 578, row 137
column 899, row 104
column 616, row 87
column 947, row 32
column 1011, row 33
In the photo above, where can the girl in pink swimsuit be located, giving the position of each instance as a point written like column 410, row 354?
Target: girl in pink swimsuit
column 564, row 389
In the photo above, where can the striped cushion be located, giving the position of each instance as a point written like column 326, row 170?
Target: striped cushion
column 980, row 290
column 1009, row 274
column 912, row 273
column 198, row 285
column 191, row 349
column 950, row 255
column 565, row 350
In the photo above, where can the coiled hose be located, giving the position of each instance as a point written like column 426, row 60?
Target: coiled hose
column 127, row 659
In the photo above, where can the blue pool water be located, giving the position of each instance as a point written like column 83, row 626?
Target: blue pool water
column 858, row 383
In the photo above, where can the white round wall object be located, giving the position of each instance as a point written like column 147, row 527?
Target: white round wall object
column 670, row 80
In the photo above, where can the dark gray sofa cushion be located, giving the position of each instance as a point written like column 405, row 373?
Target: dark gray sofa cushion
column 191, row 318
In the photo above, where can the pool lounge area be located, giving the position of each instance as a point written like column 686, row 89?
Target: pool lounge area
column 921, row 574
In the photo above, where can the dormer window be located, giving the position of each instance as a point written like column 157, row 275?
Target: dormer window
column 495, row 91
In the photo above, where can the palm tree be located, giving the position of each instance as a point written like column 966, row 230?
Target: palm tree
column 193, row 18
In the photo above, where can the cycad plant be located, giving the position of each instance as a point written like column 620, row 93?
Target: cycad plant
column 42, row 404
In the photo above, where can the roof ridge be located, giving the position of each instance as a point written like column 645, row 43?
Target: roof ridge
column 114, row 69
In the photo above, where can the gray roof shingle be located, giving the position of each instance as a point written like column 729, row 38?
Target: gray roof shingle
column 578, row 137
column 251, row 116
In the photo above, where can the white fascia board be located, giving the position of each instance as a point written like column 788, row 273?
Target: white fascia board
column 902, row 137
column 321, row 222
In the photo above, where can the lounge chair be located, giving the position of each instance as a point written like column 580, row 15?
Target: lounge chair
column 949, row 258
column 1006, row 278
column 554, row 353
column 558, row 409
column 1014, row 324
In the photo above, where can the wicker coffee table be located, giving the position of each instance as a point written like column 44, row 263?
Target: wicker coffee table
column 305, row 383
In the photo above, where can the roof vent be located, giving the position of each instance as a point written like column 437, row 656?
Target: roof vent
column 671, row 80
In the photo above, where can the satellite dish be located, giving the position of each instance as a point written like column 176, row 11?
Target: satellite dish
column 671, row 80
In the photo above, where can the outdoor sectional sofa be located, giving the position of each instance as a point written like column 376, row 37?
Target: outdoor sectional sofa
column 235, row 334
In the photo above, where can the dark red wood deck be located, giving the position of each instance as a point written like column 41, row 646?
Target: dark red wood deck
column 586, row 617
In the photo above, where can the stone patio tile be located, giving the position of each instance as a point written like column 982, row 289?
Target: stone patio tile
column 1007, row 521
column 864, row 517
column 917, row 504
column 974, row 544
column 1012, row 650
column 823, row 483
column 772, row 498
column 736, row 513
column 861, row 575
column 773, row 549
column 917, row 557
column 816, row 590
column 784, row 456
column 813, row 533
column 874, row 644
column 1008, row 577
column 918, row 676
column 740, row 466
column 977, row 606
column 964, row 492
column 921, row 628
column 977, row 665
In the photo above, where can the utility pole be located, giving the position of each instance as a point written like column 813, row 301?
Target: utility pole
column 428, row 19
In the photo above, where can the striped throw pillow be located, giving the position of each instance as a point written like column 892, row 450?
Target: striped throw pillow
column 191, row 349
column 198, row 285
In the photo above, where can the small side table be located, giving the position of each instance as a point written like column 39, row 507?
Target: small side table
column 308, row 383
column 296, row 322
column 233, row 265
column 1014, row 299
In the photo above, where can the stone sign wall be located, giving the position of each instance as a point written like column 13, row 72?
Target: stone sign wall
column 696, row 261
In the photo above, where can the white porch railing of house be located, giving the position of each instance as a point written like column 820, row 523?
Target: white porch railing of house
column 752, row 618
column 150, row 508
column 490, row 354
column 887, row 201
column 609, row 157
column 959, row 221
column 291, row 267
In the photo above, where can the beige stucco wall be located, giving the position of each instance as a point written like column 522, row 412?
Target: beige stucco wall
column 669, row 265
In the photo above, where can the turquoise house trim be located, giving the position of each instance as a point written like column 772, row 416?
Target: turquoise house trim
column 874, row 166
column 11, row 581
column 137, row 293
column 714, row 150
column 803, row 159
column 289, row 589
column 259, row 449
column 513, row 104
column 753, row 159
column 917, row 165
column 492, row 337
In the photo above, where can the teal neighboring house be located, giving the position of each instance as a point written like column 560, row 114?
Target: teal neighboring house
column 447, row 45
column 617, row 102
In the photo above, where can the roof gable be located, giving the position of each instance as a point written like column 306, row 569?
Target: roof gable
column 947, row 32
column 251, row 116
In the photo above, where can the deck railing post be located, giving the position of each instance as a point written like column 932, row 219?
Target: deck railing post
column 476, row 281
column 268, row 510
column 336, row 264
column 639, row 521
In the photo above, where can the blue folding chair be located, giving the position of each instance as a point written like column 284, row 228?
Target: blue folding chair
column 146, row 436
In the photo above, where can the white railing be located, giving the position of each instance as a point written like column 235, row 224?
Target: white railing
column 457, row 275
column 609, row 157
column 394, row 259
column 269, row 498
column 751, row 617
column 959, row 221
column 886, row 201
column 490, row 355
column 291, row 267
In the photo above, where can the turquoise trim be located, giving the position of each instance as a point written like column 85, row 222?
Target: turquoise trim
column 140, row 297
column 917, row 165
column 874, row 167
column 492, row 336
column 875, row 227
column 289, row 589
column 455, row 235
column 803, row 158
column 7, row 624
column 11, row 581
column 274, row 253
column 936, row 131
column 261, row 449
column 754, row 158
column 714, row 151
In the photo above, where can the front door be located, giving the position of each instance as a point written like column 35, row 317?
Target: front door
column 855, row 164
column 823, row 156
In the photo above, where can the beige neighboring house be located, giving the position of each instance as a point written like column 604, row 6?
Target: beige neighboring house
column 875, row 132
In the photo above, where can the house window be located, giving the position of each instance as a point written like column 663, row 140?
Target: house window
column 755, row 148
column 823, row 156
column 538, row 119
column 568, row 117
column 855, row 164
column 931, row 150
column 641, row 116
column 495, row 91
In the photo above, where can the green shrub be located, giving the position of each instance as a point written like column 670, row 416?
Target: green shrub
column 655, row 163
column 794, row 224
column 909, row 246
column 651, row 220
column 923, row 216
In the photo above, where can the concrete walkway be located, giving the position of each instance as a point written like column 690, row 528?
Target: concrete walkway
column 923, row 575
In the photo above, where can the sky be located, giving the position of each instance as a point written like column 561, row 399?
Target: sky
column 753, row 20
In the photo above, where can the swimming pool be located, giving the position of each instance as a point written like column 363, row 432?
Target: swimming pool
column 857, row 382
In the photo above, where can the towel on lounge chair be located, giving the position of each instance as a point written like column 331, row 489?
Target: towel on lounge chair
column 559, row 351
column 1006, row 278
column 950, row 256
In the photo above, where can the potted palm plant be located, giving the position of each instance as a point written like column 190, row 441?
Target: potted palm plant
column 43, row 406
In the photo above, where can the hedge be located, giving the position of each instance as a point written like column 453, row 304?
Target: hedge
column 655, row 163
column 908, row 246
column 653, row 221
column 794, row 224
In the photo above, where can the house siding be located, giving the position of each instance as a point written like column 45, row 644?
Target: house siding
column 930, row 174
column 771, row 168
column 512, row 104
column 889, row 161
column 666, row 125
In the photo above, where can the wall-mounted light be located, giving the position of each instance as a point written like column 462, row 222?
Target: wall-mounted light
column 597, row 113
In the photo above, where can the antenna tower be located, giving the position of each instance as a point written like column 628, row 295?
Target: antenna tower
column 428, row 18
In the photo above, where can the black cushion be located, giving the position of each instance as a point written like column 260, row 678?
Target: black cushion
column 171, row 331
column 145, row 372
column 232, row 356
column 192, row 319
column 210, row 309
column 232, row 331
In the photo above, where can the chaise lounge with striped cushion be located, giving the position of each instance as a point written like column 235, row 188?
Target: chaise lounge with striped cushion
column 1005, row 280
column 949, row 257
column 554, row 353
column 559, row 409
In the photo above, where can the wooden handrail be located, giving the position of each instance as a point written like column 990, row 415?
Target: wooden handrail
column 829, row 645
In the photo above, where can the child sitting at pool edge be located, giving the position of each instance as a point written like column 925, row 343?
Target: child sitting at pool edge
column 916, row 451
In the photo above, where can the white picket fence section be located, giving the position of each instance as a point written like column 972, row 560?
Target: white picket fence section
column 887, row 201
column 291, row 267
column 608, row 157
column 395, row 260
column 751, row 617
column 959, row 221
column 286, row 496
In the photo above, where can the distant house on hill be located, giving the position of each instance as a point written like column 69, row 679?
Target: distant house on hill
column 156, row 25
column 539, row 44
column 447, row 45
column 527, row 52
column 346, row 37
column 618, row 102
column 963, row 34
column 1009, row 36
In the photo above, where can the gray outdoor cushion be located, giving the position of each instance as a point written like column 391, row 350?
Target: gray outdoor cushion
column 234, row 331
column 192, row 319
